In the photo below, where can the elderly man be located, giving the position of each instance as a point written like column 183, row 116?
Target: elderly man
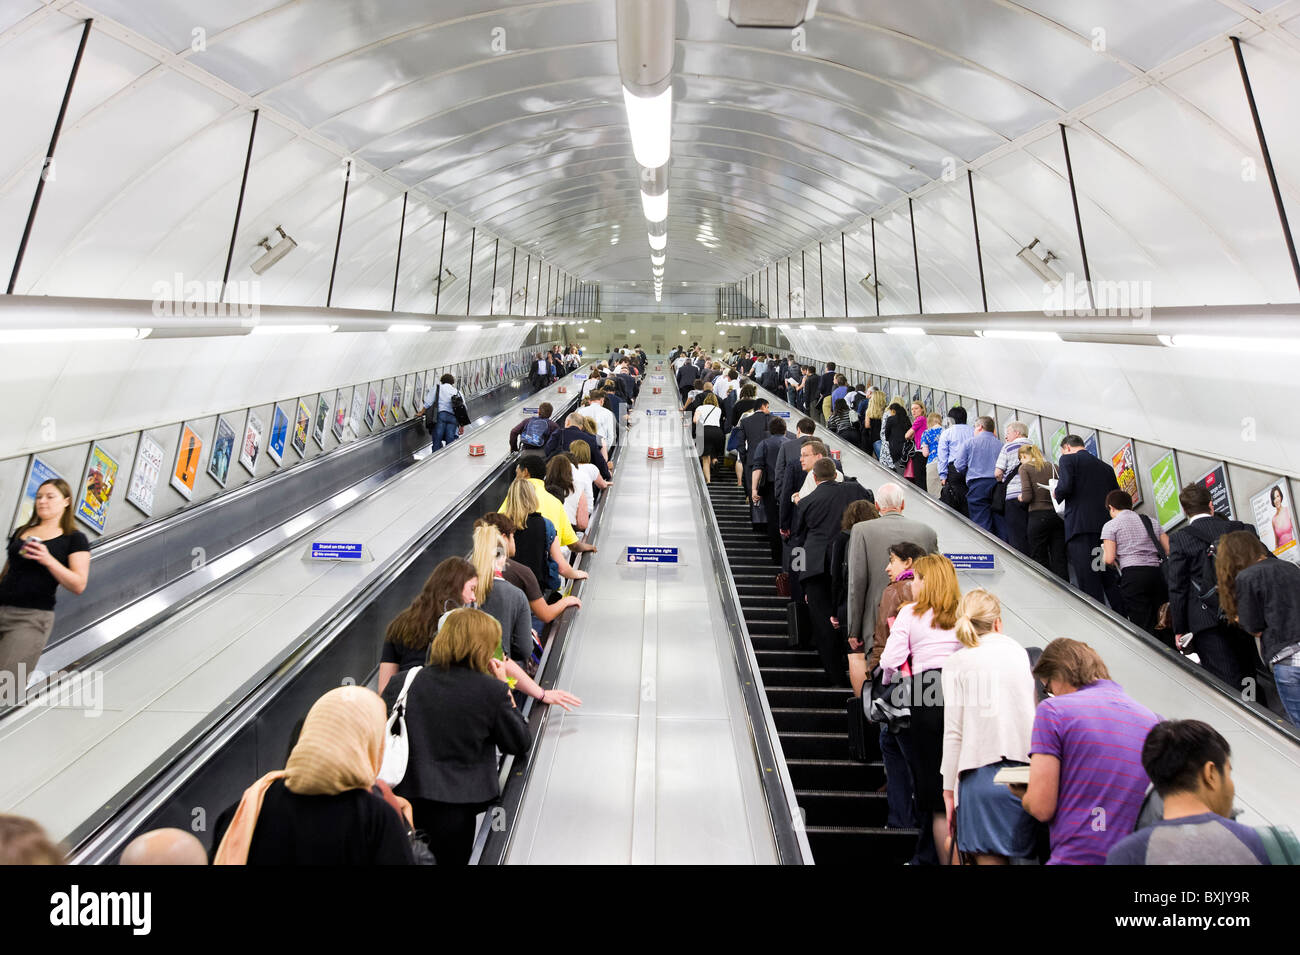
column 1012, row 524
column 978, row 457
column 164, row 847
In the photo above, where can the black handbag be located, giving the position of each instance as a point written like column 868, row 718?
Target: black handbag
column 889, row 703
column 459, row 410
column 998, row 502
column 857, row 718
column 792, row 623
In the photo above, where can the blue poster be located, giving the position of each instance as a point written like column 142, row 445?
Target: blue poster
column 1090, row 445
column 279, row 434
column 39, row 474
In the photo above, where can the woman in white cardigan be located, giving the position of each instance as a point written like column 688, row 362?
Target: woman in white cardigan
column 988, row 693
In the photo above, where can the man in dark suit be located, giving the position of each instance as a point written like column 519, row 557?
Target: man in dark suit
column 560, row 440
column 687, row 375
column 1083, row 485
column 816, row 525
column 826, row 383
column 754, row 430
column 762, row 487
column 1226, row 651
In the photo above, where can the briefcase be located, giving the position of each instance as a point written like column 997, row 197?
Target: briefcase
column 792, row 623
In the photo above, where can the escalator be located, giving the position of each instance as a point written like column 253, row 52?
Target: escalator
column 843, row 800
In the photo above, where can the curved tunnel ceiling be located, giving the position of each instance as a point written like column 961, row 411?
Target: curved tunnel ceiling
column 509, row 117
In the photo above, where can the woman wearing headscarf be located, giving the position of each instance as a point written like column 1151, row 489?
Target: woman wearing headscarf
column 321, row 808
column 459, row 712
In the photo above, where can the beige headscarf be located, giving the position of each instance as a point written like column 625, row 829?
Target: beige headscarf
column 341, row 747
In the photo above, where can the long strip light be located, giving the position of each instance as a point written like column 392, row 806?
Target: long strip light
column 849, row 329
column 904, row 330
column 650, row 120
column 658, row 242
column 1018, row 334
column 408, row 328
column 25, row 336
column 655, row 207
column 293, row 329
column 658, row 258
column 1224, row 343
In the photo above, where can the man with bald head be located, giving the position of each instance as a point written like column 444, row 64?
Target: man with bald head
column 164, row 847
column 869, row 544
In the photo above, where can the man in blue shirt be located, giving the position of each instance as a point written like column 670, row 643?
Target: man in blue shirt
column 952, row 440
column 1189, row 764
column 978, row 457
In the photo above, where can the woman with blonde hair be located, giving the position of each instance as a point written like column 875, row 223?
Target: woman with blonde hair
column 580, row 452
column 709, row 436
column 459, row 712
column 988, row 717
column 499, row 598
column 873, row 418
column 589, row 426
column 537, row 545
column 1045, row 530
column 920, row 642
column 321, row 808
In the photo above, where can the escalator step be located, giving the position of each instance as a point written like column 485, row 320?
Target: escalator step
column 809, row 720
column 842, row 845
column 831, row 807
column 794, row 676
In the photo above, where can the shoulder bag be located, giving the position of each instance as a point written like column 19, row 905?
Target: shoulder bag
column 998, row 502
column 397, row 745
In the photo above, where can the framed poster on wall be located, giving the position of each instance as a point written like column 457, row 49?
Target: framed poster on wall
column 38, row 472
column 1274, row 518
column 251, row 447
column 97, row 488
column 395, row 401
column 322, row 419
column 186, row 469
column 1092, row 445
column 144, row 476
column 279, row 435
column 372, row 407
column 1216, row 482
column 1054, row 443
column 223, row 449
column 383, row 405
column 1164, row 490
column 340, row 413
column 301, row 427
column 1124, row 461
column 417, row 396
column 358, row 409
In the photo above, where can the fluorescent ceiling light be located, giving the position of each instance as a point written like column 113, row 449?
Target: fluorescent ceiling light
column 809, row 328
column 658, row 242
column 1039, row 264
column 655, row 207
column 1225, row 343
column 650, row 121
column 470, row 328
column 274, row 253
column 293, row 329
column 904, row 330
column 844, row 328
column 409, row 328
column 657, row 270
column 25, row 336
column 658, row 258
column 1022, row 335
column 631, row 331
column 505, row 324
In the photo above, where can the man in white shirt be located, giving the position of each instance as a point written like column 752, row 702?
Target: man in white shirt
column 606, row 426
column 592, row 383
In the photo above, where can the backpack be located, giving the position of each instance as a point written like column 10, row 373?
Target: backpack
column 1204, row 579
column 431, row 412
column 535, row 433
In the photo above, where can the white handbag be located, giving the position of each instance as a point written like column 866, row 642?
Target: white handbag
column 397, row 745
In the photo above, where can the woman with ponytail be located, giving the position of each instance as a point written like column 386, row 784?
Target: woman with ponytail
column 499, row 598
column 988, row 715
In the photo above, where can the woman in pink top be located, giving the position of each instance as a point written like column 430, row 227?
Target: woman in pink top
column 920, row 641
column 1283, row 531
column 917, row 459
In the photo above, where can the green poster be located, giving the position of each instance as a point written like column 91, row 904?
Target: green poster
column 1057, row 437
column 1164, row 490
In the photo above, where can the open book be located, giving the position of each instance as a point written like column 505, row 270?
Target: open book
column 1012, row 776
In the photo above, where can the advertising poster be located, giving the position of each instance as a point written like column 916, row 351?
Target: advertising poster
column 408, row 395
column 1275, row 520
column 279, row 435
column 188, row 453
column 37, row 474
column 1216, row 482
column 418, row 397
column 1125, row 464
column 372, row 407
column 340, row 413
column 145, row 475
column 395, row 402
column 301, row 426
column 251, row 448
column 322, row 420
column 1164, row 489
column 1091, row 446
column 354, row 419
column 1054, row 443
column 223, row 449
column 1035, row 432
column 97, row 488
column 383, row 405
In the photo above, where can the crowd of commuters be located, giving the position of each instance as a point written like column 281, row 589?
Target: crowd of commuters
column 991, row 752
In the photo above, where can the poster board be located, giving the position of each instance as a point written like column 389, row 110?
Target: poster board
column 301, row 426
column 38, row 472
column 97, row 485
column 1124, row 461
column 322, row 419
column 354, row 417
column 223, row 450
column 186, row 468
column 1054, row 442
column 395, row 401
column 340, row 422
column 1164, row 491
column 372, row 407
column 279, row 435
column 144, row 476
column 1215, row 481
column 250, row 449
column 1273, row 513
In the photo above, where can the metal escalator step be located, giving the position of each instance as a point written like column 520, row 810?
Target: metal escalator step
column 836, row 808
column 810, row 720
column 859, row 845
column 795, row 676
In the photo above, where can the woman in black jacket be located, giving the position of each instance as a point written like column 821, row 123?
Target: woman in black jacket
column 894, row 433
column 459, row 711
column 855, row 513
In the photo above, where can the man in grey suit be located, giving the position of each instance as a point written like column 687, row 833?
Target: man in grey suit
column 869, row 544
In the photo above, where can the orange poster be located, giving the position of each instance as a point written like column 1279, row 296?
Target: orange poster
column 187, row 462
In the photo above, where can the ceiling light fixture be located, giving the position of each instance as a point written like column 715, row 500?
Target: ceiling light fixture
column 904, row 330
column 1039, row 264
column 650, row 121
column 658, row 242
column 655, row 207
column 31, row 336
column 658, row 258
column 1020, row 335
column 848, row 329
column 409, row 328
column 274, row 253
column 293, row 329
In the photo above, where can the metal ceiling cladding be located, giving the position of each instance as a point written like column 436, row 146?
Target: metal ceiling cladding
column 512, row 119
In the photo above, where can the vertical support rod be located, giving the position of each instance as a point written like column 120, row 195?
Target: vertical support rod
column 803, row 285
column 916, row 260
column 401, row 230
column 789, row 290
column 469, row 282
column 1268, row 160
column 510, row 302
column 875, row 269
column 537, row 299
column 979, row 254
column 338, row 239
column 1078, row 222
column 821, row 278
column 442, row 248
column 844, row 265
column 239, row 210
column 496, row 245
column 49, row 156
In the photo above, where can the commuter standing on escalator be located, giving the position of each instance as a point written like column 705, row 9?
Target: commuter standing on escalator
column 443, row 394
column 45, row 553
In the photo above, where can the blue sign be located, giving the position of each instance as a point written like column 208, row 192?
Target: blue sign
column 530, row 411
column 971, row 561
column 780, row 414
column 656, row 411
column 1090, row 445
column 652, row 555
column 579, row 377
column 325, row 550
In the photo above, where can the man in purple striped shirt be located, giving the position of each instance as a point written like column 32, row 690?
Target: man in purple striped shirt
column 1086, row 779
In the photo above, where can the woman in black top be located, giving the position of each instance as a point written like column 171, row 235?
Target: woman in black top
column 45, row 553
column 747, row 402
column 895, row 428
column 320, row 809
column 453, row 584
column 459, row 712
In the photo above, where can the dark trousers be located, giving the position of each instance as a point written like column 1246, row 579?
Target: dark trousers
column 1229, row 653
column 979, row 494
column 829, row 643
column 1046, row 533
column 1144, row 590
column 898, row 782
column 448, row 828
column 1016, row 520
column 1101, row 585
column 767, row 496
column 917, row 461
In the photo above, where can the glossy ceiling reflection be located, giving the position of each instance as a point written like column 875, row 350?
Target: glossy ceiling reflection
column 510, row 117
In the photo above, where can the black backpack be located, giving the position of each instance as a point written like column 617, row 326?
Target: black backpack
column 535, row 433
column 457, row 408
column 1205, row 582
